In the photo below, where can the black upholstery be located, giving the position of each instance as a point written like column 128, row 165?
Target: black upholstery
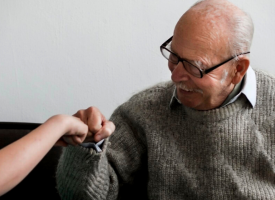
column 40, row 183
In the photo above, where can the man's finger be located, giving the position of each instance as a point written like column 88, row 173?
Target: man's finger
column 89, row 137
column 107, row 129
column 95, row 119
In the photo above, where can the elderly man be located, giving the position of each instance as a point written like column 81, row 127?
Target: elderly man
column 204, row 135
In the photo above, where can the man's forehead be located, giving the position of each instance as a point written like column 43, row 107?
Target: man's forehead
column 195, row 49
column 194, row 33
column 192, row 59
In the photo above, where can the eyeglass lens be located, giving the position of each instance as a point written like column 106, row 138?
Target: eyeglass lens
column 175, row 60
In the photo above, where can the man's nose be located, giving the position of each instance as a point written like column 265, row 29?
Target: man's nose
column 179, row 73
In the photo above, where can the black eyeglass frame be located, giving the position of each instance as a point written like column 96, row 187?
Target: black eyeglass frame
column 202, row 72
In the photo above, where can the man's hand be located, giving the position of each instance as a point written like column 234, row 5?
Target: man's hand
column 99, row 127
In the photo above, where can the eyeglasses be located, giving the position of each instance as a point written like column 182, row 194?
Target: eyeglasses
column 188, row 66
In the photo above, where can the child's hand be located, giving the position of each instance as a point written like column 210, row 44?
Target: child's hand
column 75, row 130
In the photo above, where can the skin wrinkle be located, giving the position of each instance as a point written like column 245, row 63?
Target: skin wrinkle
column 202, row 64
column 199, row 64
column 206, row 60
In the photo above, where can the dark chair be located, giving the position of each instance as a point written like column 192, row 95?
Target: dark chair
column 40, row 183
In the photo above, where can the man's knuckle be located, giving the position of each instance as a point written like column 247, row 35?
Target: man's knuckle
column 79, row 113
column 92, row 109
column 108, row 131
column 113, row 126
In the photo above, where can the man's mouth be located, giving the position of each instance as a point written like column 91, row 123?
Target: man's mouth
column 185, row 88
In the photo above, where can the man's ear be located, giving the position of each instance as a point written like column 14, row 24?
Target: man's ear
column 240, row 69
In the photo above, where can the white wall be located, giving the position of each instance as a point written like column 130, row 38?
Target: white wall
column 65, row 55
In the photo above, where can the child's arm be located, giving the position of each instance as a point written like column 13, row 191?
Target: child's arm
column 20, row 157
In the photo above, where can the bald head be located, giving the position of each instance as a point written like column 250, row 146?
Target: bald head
column 220, row 23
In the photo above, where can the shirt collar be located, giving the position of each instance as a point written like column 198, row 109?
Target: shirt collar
column 249, row 89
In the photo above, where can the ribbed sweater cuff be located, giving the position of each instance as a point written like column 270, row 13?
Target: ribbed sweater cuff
column 81, row 167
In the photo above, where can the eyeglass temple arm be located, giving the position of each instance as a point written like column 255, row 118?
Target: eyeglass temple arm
column 211, row 69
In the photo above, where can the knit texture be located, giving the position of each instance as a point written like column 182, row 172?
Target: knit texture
column 173, row 152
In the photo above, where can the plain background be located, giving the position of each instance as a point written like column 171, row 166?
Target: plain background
column 59, row 56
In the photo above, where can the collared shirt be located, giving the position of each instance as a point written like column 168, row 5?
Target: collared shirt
column 247, row 87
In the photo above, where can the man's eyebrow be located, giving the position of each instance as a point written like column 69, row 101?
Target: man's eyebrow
column 197, row 63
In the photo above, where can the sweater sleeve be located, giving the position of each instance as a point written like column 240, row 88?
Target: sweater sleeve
column 85, row 174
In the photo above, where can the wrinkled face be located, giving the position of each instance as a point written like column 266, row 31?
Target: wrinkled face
column 194, row 42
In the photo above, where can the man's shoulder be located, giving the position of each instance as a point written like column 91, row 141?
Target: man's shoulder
column 150, row 98
column 263, row 75
column 265, row 88
column 148, row 102
column 265, row 81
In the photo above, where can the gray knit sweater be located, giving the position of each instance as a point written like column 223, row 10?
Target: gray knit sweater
column 163, row 151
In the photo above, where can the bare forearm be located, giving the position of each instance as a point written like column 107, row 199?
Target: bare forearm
column 20, row 157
